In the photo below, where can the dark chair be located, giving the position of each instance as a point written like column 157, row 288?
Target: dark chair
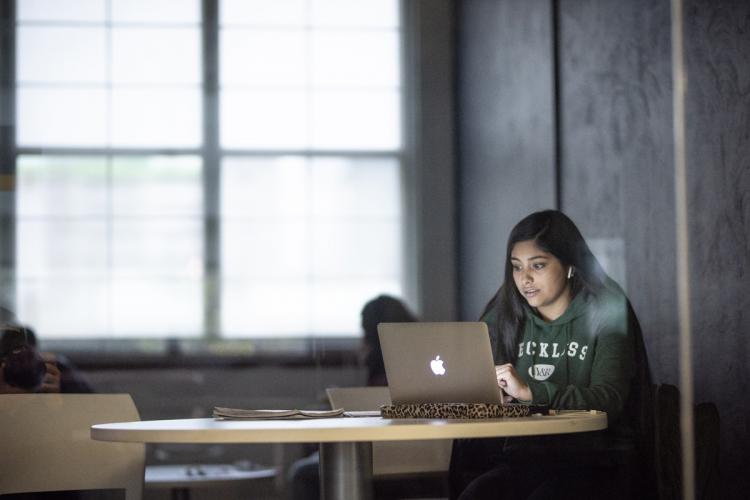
column 668, row 446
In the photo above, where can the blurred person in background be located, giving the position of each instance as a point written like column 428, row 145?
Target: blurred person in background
column 381, row 309
column 24, row 369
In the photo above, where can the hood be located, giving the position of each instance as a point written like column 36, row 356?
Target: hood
column 576, row 308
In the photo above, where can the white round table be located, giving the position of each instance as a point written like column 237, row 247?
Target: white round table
column 345, row 443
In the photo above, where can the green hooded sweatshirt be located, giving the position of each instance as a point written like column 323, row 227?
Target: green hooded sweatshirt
column 582, row 360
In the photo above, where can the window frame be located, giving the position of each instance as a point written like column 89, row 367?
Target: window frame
column 211, row 154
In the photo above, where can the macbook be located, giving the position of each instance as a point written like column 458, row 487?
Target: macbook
column 448, row 362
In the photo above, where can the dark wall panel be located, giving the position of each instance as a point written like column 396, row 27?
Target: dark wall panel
column 433, row 194
column 506, row 131
column 618, row 181
column 618, row 178
column 616, row 152
column 718, row 134
column 616, row 168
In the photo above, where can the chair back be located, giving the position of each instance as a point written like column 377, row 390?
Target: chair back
column 392, row 457
column 668, row 449
column 47, row 445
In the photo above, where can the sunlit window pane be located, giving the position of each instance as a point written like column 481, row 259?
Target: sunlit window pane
column 263, row 57
column 158, row 185
column 82, row 115
column 271, row 248
column 61, row 186
column 156, row 308
column 156, row 118
column 363, row 187
column 356, row 120
column 265, row 187
column 356, row 248
column 129, row 228
column 172, row 55
column 363, row 13
column 336, row 304
column 156, row 11
column 332, row 84
column 56, row 10
column 264, row 119
column 157, row 247
column 261, row 308
column 61, row 54
column 334, row 223
column 263, row 12
column 355, row 58
column 61, row 307
column 264, row 207
column 73, row 247
column 45, row 117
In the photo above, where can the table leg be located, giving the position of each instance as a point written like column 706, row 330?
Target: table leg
column 346, row 471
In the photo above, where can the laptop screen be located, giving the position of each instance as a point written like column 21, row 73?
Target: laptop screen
column 447, row 362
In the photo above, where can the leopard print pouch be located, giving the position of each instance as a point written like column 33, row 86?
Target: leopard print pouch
column 454, row 410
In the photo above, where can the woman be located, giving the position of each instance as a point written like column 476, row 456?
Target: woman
column 564, row 336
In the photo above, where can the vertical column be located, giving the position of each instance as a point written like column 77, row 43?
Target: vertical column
column 211, row 171
column 346, row 471
column 429, row 176
column 679, row 88
column 7, row 152
column 556, row 99
column 506, row 133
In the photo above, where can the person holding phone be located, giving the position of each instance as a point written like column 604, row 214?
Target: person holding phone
column 564, row 336
column 26, row 369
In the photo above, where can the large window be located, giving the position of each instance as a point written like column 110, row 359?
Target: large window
column 219, row 168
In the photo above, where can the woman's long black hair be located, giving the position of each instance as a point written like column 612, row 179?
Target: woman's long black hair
column 555, row 233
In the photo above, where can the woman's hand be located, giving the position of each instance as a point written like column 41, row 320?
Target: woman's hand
column 506, row 399
column 51, row 381
column 511, row 383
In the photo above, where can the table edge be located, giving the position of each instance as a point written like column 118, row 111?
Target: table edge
column 233, row 431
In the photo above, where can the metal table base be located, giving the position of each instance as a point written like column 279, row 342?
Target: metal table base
column 346, row 471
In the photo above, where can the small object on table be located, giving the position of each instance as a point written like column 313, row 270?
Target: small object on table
column 240, row 414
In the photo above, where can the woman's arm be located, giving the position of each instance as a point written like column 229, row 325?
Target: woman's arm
column 609, row 383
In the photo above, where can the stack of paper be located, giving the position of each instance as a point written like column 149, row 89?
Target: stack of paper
column 238, row 414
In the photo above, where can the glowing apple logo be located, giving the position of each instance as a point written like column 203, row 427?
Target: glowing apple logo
column 436, row 365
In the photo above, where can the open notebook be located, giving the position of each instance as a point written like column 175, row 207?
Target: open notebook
column 240, row 414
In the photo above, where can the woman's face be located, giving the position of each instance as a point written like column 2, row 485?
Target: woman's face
column 541, row 279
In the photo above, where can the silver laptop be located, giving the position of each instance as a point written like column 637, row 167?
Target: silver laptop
column 448, row 362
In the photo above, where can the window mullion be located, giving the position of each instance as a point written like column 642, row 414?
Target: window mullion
column 7, row 150
column 211, row 170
